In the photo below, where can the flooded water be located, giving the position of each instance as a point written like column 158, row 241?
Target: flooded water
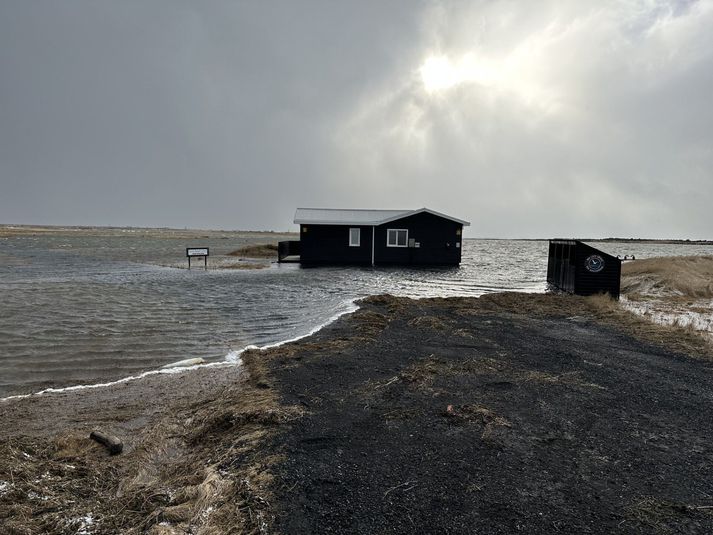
column 75, row 310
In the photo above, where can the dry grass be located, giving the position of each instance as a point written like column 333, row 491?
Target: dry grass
column 196, row 470
column 672, row 337
column 430, row 322
column 392, row 303
column 688, row 276
column 663, row 517
column 243, row 265
column 532, row 305
column 423, row 373
column 263, row 250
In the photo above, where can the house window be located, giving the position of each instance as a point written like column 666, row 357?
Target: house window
column 396, row 237
column 354, row 237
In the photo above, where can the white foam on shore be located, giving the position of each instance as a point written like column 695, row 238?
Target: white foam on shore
column 167, row 371
column 235, row 355
column 351, row 307
column 231, row 359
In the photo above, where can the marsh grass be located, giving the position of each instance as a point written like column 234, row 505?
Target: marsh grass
column 675, row 291
column 686, row 276
column 262, row 250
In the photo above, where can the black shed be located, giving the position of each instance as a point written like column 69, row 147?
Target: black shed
column 378, row 237
column 578, row 268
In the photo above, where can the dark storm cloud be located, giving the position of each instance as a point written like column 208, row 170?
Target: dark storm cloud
column 560, row 118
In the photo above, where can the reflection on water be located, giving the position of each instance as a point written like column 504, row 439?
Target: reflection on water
column 74, row 310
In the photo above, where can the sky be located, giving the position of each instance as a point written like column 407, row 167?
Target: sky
column 529, row 119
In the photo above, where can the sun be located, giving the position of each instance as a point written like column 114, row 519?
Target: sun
column 438, row 73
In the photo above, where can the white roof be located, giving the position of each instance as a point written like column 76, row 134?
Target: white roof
column 336, row 216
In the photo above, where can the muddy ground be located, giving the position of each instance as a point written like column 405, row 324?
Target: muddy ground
column 510, row 413
column 460, row 419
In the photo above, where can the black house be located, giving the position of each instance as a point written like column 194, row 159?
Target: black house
column 578, row 268
column 378, row 237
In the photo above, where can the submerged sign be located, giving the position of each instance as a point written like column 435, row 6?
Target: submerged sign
column 197, row 251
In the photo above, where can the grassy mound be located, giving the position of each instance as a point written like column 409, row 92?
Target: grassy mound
column 262, row 250
column 687, row 276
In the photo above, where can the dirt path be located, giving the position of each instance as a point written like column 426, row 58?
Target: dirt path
column 454, row 420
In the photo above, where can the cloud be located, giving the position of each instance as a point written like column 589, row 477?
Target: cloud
column 590, row 119
column 540, row 119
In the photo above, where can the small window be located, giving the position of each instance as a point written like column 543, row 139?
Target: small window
column 354, row 237
column 396, row 237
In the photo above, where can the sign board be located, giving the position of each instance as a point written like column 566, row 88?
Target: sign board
column 197, row 251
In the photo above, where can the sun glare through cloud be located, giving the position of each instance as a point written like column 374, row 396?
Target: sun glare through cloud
column 439, row 73
column 520, row 74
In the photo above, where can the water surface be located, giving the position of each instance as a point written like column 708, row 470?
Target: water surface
column 76, row 310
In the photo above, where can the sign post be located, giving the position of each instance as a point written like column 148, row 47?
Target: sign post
column 197, row 251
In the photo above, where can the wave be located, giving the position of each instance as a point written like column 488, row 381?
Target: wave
column 233, row 358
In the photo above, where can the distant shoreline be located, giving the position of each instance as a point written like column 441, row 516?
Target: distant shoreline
column 8, row 229
column 11, row 229
column 610, row 240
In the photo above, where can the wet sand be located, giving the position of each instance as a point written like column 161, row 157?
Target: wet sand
column 507, row 413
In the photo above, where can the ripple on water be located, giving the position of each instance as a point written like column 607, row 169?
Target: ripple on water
column 80, row 313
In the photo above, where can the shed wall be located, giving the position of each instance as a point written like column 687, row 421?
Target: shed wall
column 608, row 280
column 567, row 269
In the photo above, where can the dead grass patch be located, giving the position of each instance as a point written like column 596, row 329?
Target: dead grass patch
column 477, row 413
column 243, row 265
column 262, row 250
column 469, row 414
column 664, row 516
column 392, row 303
column 567, row 378
column 689, row 276
column 426, row 370
column 430, row 322
column 197, row 470
column 681, row 339
column 370, row 322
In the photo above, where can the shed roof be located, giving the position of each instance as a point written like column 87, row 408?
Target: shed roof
column 337, row 216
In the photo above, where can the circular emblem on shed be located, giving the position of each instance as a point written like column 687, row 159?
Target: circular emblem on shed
column 594, row 263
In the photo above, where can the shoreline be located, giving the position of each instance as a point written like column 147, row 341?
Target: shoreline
column 219, row 448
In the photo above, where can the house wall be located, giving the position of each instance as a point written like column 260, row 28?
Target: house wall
column 329, row 244
column 437, row 237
